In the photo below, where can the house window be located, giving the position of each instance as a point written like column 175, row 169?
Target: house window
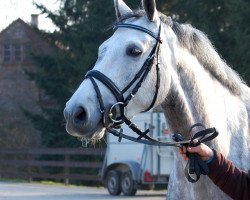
column 17, row 52
column 6, row 53
column 27, row 52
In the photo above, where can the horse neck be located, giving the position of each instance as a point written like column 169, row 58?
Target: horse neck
column 211, row 94
column 177, row 110
column 192, row 95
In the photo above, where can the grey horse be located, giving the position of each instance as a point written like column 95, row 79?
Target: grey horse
column 196, row 85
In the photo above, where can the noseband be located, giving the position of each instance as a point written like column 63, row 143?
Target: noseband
column 115, row 115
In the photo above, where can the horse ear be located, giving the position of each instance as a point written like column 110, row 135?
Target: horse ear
column 150, row 8
column 121, row 8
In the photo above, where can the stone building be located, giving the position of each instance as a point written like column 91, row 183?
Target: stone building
column 17, row 91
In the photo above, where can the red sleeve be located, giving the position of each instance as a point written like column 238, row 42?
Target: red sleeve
column 229, row 178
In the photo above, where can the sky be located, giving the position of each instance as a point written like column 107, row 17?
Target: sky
column 10, row 10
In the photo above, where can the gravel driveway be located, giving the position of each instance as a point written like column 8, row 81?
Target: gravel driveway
column 33, row 191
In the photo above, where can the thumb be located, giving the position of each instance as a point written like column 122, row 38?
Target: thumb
column 193, row 149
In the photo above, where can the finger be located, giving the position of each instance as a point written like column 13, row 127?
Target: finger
column 194, row 149
column 184, row 149
column 185, row 157
column 181, row 152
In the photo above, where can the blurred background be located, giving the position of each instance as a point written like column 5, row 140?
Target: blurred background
column 46, row 48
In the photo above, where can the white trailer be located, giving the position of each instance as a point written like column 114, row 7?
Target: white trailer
column 129, row 165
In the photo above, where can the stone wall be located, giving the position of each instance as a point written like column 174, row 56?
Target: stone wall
column 17, row 92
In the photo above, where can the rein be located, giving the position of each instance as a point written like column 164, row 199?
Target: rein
column 114, row 116
column 195, row 165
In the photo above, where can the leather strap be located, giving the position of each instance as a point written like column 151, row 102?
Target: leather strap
column 107, row 82
column 132, row 26
column 143, row 138
column 195, row 166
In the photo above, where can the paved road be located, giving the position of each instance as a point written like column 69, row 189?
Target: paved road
column 31, row 191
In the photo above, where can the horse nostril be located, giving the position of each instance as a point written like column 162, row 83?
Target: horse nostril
column 80, row 115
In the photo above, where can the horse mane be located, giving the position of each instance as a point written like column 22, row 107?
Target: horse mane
column 200, row 46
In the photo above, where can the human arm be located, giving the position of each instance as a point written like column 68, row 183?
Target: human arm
column 222, row 172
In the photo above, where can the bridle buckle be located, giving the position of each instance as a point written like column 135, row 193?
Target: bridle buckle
column 117, row 109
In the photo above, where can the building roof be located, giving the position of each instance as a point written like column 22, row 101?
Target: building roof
column 19, row 20
column 29, row 37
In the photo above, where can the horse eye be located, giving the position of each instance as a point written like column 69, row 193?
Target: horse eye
column 133, row 51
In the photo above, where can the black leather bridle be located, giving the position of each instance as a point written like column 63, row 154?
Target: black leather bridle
column 114, row 116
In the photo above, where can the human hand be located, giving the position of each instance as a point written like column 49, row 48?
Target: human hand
column 203, row 150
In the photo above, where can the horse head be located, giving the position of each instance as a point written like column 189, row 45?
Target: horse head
column 110, row 86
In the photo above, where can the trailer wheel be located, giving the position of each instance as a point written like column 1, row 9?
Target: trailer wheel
column 113, row 182
column 128, row 184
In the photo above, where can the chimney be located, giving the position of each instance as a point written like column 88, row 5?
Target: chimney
column 34, row 20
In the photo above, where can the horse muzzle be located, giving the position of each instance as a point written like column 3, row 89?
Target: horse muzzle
column 80, row 123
